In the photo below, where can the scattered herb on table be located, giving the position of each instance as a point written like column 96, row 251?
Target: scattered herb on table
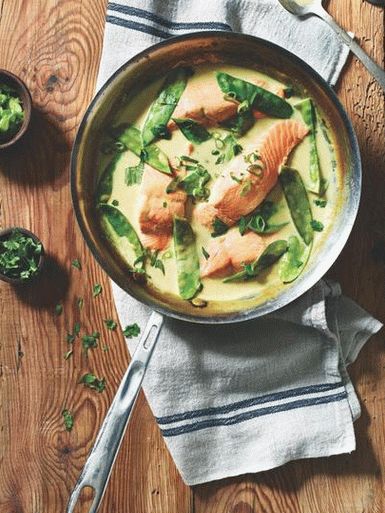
column 76, row 263
column 80, row 303
column 132, row 330
column 68, row 354
column 110, row 324
column 97, row 289
column 90, row 341
column 68, row 420
column 75, row 333
column 58, row 309
column 91, row 381
column 19, row 256
column 11, row 112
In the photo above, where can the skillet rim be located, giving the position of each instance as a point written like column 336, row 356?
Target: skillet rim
column 295, row 291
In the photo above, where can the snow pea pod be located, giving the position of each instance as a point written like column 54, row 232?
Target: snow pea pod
column 193, row 131
column 187, row 261
column 256, row 97
column 123, row 228
column 294, row 260
column 298, row 202
column 272, row 253
column 308, row 112
column 155, row 125
column 104, row 187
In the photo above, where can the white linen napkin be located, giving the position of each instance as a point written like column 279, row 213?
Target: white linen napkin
column 251, row 396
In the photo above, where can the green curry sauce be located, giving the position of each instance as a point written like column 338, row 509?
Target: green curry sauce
column 300, row 209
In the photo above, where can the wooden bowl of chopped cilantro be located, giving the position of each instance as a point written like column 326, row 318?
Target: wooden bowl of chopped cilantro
column 21, row 255
column 15, row 108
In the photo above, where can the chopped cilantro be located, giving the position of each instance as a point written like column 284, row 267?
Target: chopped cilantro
column 58, row 309
column 91, row 381
column 97, row 290
column 317, row 225
column 68, row 420
column 132, row 330
column 90, row 341
column 110, row 324
column 19, row 255
column 320, row 202
column 76, row 263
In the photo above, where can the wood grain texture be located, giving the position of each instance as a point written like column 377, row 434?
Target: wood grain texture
column 55, row 47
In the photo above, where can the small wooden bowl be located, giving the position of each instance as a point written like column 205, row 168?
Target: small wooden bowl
column 8, row 78
column 18, row 281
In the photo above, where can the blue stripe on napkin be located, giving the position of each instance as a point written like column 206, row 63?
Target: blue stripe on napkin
column 135, row 12
column 251, row 414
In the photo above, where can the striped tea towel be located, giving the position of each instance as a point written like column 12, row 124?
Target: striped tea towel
column 246, row 397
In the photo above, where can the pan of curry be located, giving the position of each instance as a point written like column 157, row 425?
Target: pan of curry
column 216, row 178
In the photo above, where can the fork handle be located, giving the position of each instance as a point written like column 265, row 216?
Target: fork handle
column 98, row 466
column 376, row 71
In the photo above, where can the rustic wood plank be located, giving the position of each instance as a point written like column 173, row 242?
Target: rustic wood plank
column 55, row 47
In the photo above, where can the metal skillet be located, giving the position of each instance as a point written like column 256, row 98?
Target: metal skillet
column 193, row 49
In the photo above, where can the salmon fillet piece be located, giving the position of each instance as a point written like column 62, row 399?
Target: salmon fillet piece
column 229, row 252
column 204, row 102
column 238, row 191
column 157, row 209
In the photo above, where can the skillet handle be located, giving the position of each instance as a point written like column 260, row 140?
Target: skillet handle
column 97, row 469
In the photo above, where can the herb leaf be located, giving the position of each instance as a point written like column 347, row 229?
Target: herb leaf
column 219, row 227
column 317, row 225
column 132, row 330
column 91, row 381
column 58, row 309
column 97, row 289
column 133, row 175
column 76, row 263
column 68, row 420
column 320, row 202
column 110, row 324
column 90, row 341
column 258, row 221
column 80, row 303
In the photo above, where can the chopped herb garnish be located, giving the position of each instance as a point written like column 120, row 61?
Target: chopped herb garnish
column 70, row 338
column 246, row 187
column 68, row 420
column 110, row 324
column 80, row 302
column 58, row 309
column 76, row 263
column 91, row 381
column 11, row 112
column 77, row 328
column 195, row 180
column 115, row 203
column 68, row 354
column 219, row 227
column 164, row 204
column 317, row 225
column 75, row 333
column 205, row 254
column 132, row 330
column 133, row 174
column 90, row 341
column 259, row 220
column 229, row 148
column 19, row 255
column 97, row 289
column 320, row 202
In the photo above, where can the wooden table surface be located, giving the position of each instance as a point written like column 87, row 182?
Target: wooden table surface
column 54, row 45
